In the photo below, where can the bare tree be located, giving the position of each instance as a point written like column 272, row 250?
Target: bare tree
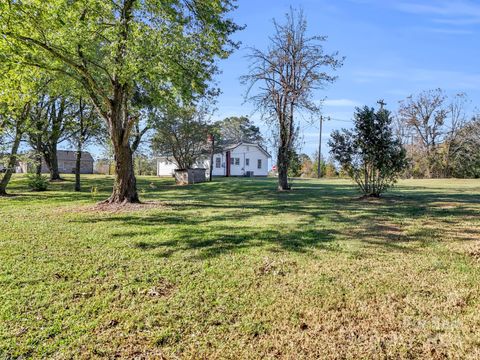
column 436, row 124
column 284, row 79
column 426, row 114
column 458, row 121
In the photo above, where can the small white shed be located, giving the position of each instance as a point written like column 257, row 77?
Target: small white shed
column 167, row 165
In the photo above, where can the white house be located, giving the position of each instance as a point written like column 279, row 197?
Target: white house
column 242, row 159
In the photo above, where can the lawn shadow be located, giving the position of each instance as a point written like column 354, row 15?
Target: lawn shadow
column 215, row 218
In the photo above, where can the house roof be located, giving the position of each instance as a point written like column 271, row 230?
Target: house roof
column 234, row 146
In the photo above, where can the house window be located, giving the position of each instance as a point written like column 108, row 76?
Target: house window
column 247, row 162
column 259, row 163
column 237, row 161
column 232, row 161
column 218, row 162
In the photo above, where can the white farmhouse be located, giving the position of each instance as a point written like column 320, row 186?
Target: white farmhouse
column 242, row 159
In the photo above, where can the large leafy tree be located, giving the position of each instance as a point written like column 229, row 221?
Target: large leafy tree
column 370, row 153
column 284, row 79
column 17, row 92
column 14, row 123
column 112, row 48
column 181, row 134
column 235, row 129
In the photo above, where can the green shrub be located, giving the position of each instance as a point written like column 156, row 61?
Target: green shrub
column 38, row 182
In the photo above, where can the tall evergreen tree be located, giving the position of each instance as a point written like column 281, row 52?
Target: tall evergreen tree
column 372, row 156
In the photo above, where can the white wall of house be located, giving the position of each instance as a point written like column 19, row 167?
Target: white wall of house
column 165, row 167
column 219, row 165
column 243, row 158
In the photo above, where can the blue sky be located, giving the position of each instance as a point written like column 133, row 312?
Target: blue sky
column 392, row 49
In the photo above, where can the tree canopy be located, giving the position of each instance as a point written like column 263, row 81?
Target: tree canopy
column 167, row 49
column 235, row 129
column 181, row 134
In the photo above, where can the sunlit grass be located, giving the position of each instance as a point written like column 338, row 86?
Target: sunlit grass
column 233, row 269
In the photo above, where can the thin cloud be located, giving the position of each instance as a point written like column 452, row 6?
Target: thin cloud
column 447, row 12
column 442, row 8
column 449, row 31
column 448, row 79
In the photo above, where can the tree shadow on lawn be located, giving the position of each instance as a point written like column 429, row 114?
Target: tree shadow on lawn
column 328, row 212
column 205, row 243
column 93, row 189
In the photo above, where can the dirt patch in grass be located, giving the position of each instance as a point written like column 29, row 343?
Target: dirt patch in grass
column 475, row 254
column 379, row 200
column 377, row 230
column 118, row 208
column 162, row 289
column 275, row 267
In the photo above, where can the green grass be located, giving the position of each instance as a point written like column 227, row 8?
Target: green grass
column 233, row 269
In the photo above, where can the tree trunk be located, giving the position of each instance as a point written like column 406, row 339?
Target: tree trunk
column 38, row 164
column 125, row 186
column 78, row 164
column 52, row 163
column 12, row 161
column 283, row 157
column 282, row 164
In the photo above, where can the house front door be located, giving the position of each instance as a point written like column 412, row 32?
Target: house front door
column 228, row 155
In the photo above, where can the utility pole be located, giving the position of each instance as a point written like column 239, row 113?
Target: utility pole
column 382, row 103
column 319, row 166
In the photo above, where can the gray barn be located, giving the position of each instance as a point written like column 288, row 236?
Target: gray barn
column 66, row 163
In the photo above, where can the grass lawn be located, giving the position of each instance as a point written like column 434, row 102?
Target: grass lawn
column 233, row 269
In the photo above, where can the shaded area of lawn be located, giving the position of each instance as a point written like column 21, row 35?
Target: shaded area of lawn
column 234, row 269
column 220, row 217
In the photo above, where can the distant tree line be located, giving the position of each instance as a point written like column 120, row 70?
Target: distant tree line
column 441, row 138
column 439, row 135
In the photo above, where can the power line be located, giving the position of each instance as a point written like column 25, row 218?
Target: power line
column 343, row 120
column 311, row 126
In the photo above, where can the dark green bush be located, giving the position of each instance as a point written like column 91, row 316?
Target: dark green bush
column 38, row 182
